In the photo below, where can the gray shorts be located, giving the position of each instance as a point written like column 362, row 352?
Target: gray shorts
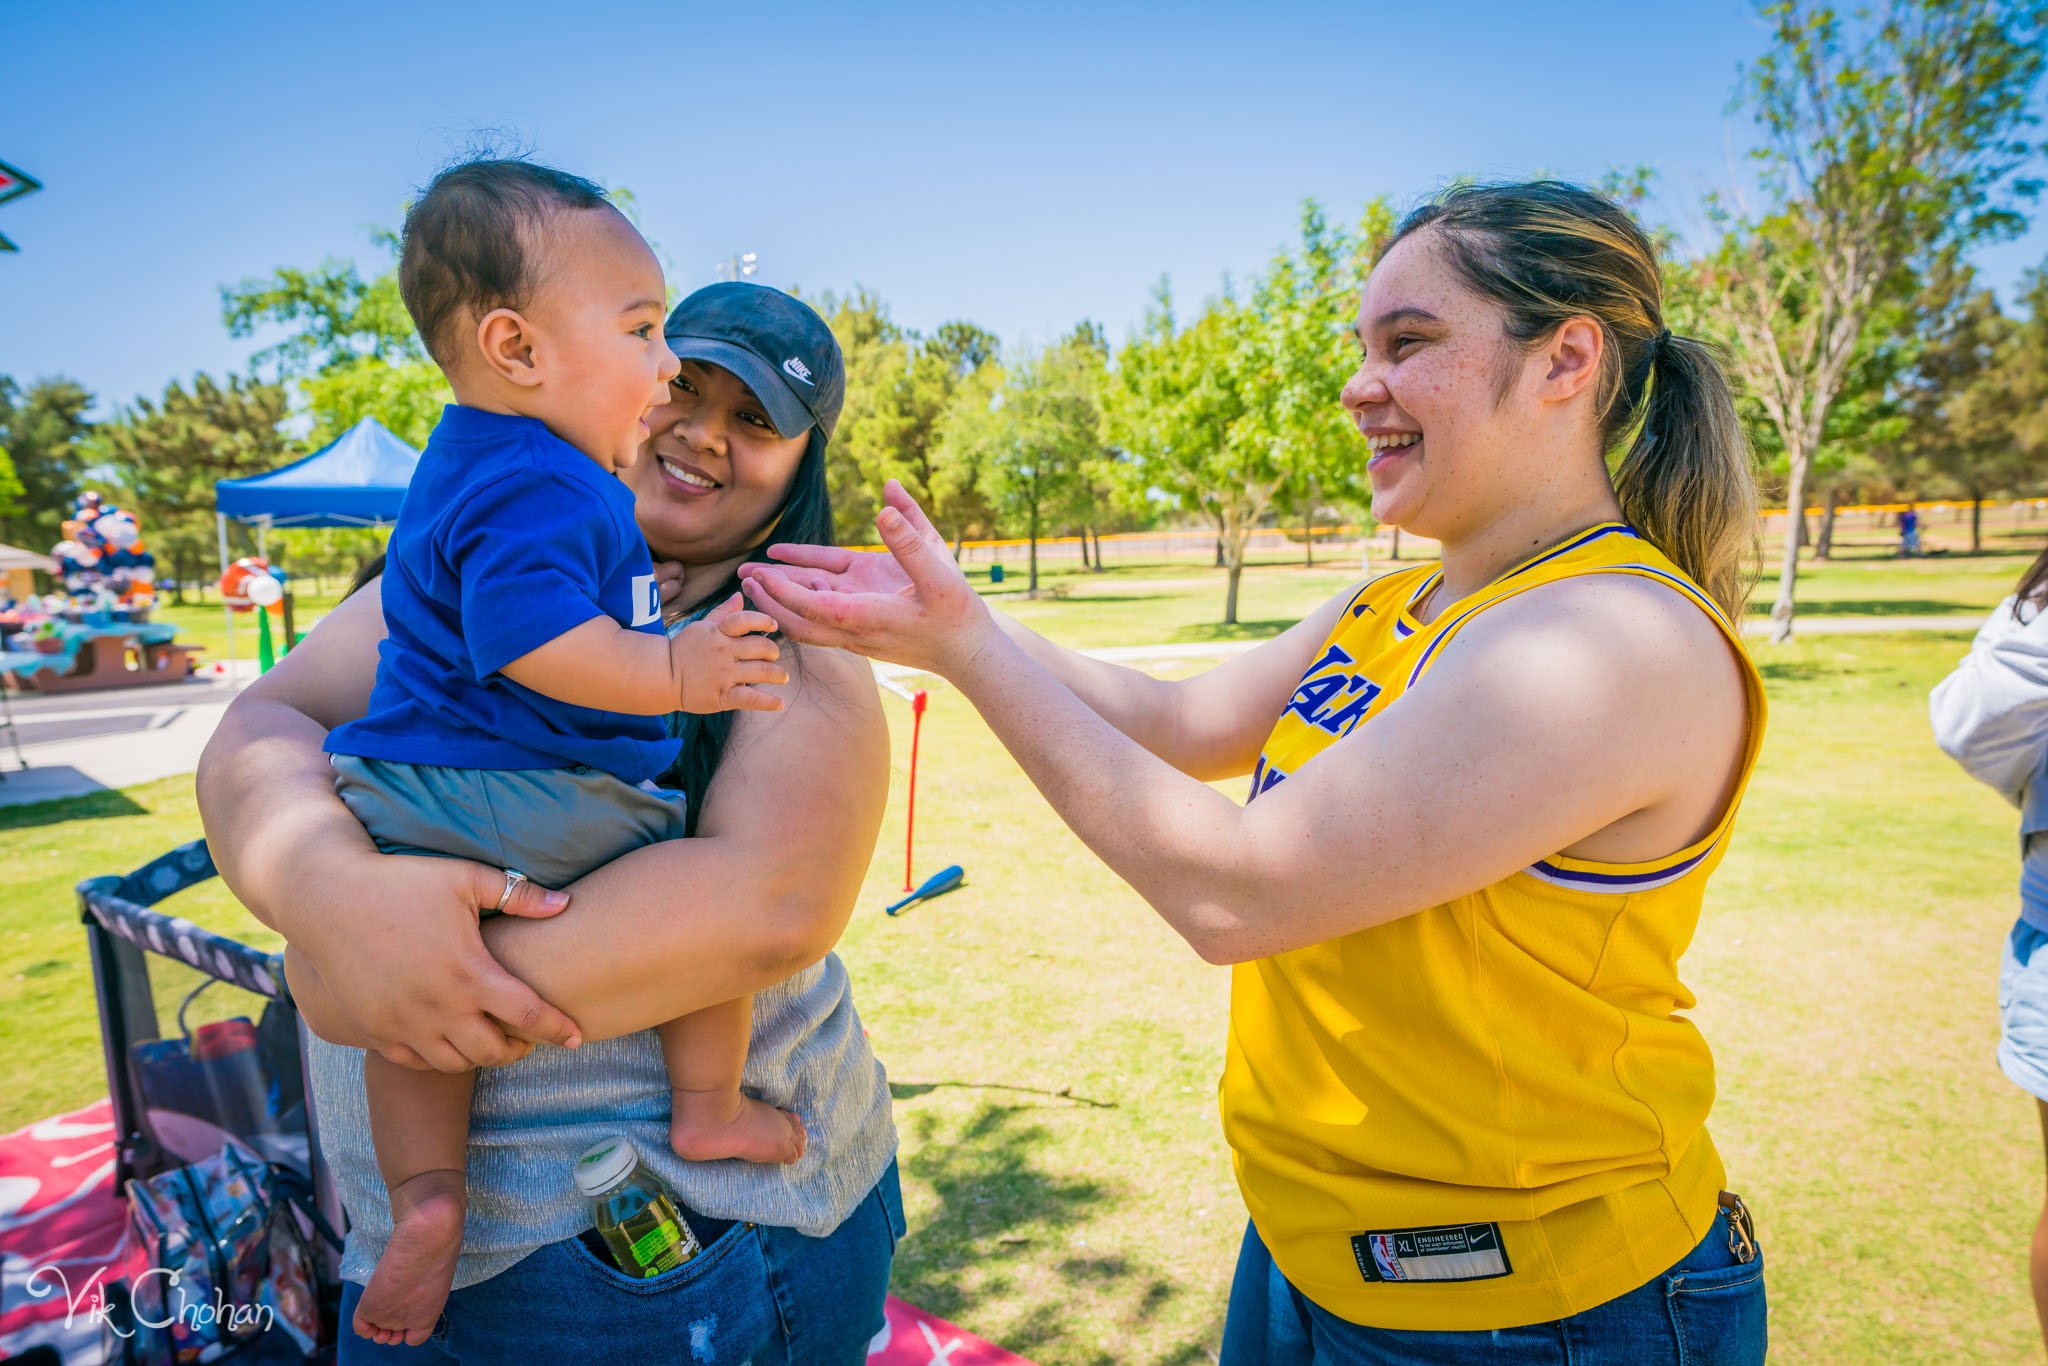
column 552, row 824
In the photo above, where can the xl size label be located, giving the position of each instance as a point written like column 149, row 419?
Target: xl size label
column 1451, row 1252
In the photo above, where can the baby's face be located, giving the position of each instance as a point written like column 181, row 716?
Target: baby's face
column 597, row 335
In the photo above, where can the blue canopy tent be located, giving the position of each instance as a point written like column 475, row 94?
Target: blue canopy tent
column 358, row 479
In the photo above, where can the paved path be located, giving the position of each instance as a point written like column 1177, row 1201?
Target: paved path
column 1806, row 625
column 80, row 743
column 89, row 742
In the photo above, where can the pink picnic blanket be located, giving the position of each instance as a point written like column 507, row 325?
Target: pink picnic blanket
column 63, row 1235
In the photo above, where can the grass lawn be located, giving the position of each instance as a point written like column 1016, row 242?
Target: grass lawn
column 1053, row 1049
column 1181, row 601
column 201, row 622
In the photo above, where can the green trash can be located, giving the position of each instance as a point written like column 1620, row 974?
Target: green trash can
column 995, row 573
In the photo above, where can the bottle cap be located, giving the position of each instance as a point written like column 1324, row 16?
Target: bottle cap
column 605, row 1165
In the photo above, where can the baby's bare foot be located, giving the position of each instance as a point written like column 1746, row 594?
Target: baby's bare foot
column 403, row 1301
column 710, row 1125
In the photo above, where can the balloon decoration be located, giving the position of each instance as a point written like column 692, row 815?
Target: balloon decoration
column 250, row 583
column 103, row 560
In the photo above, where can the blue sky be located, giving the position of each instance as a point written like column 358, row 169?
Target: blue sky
column 1021, row 166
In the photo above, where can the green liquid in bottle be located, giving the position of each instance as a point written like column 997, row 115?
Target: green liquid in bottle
column 635, row 1215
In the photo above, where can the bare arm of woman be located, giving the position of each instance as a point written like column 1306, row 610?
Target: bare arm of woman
column 395, row 940
column 1599, row 716
column 385, row 949
column 763, row 890
column 1209, row 726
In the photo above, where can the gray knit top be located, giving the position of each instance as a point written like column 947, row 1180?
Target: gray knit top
column 530, row 1121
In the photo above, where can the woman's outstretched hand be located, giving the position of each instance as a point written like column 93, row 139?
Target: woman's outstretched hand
column 911, row 606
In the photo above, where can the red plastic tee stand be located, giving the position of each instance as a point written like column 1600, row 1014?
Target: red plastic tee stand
column 918, row 700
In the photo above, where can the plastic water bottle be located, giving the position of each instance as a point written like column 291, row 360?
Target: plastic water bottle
column 634, row 1210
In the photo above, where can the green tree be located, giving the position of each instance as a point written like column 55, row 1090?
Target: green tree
column 1182, row 403
column 1305, row 302
column 407, row 398
column 1239, row 409
column 42, row 429
column 2026, row 379
column 1889, row 140
column 877, row 352
column 348, row 348
column 899, row 388
column 941, row 368
column 1959, row 404
column 166, row 455
column 1033, row 435
column 11, row 488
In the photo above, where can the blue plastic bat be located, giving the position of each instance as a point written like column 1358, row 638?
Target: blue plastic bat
column 938, row 884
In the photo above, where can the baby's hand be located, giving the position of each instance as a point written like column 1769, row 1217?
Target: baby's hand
column 724, row 657
column 668, row 578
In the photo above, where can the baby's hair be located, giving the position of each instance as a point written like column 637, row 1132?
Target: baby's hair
column 468, row 242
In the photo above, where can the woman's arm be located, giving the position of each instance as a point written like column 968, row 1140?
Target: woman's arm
column 397, row 961
column 763, row 890
column 1210, row 726
column 1568, row 712
column 1991, row 714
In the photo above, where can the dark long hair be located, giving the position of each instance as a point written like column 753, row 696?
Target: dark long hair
column 1545, row 251
column 806, row 519
column 2033, row 585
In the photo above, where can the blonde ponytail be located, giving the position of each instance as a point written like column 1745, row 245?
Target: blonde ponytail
column 1685, row 481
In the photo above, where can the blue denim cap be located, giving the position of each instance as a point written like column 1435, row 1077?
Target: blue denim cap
column 776, row 343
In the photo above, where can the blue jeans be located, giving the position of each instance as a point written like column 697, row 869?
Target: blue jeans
column 1708, row 1310
column 758, row 1295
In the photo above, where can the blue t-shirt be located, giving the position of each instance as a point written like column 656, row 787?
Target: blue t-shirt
column 507, row 538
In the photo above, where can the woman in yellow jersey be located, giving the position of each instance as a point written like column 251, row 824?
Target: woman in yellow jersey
column 1466, row 1110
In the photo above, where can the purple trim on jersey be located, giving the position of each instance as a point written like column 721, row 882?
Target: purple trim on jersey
column 1619, row 881
column 1686, row 586
column 1444, row 635
column 1586, row 538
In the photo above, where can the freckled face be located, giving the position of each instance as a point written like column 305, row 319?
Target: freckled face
column 716, row 473
column 1427, row 394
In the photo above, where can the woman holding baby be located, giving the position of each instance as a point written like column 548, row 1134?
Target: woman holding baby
column 781, row 805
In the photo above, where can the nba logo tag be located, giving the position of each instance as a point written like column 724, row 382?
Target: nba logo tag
column 1384, row 1258
column 646, row 600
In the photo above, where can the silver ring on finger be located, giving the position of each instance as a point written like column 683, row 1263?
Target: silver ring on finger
column 513, row 877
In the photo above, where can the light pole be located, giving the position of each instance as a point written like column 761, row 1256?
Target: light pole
column 739, row 267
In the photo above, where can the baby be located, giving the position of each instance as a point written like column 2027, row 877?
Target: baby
column 517, row 713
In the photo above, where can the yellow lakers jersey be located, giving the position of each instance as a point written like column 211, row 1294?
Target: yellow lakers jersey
column 1491, row 1112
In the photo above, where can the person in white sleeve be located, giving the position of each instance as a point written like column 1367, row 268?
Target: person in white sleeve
column 1991, row 716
